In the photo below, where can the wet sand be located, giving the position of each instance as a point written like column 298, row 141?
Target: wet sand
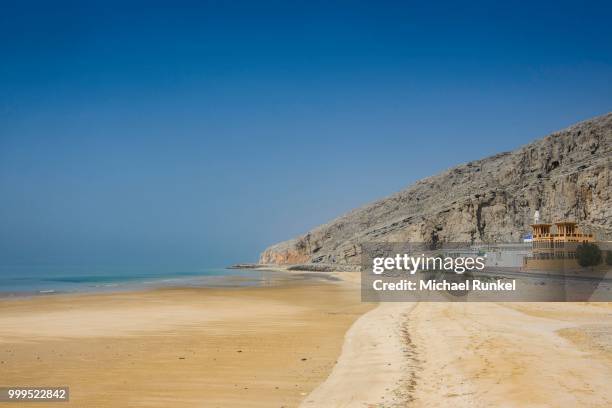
column 179, row 347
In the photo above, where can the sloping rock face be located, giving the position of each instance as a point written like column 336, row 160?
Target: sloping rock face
column 565, row 175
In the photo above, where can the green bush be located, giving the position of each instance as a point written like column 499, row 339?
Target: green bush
column 588, row 255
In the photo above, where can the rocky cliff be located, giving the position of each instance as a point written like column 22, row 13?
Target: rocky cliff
column 565, row 175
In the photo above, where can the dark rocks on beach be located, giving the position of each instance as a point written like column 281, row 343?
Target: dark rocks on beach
column 244, row 266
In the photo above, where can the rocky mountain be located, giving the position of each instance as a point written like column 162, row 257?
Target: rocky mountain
column 565, row 175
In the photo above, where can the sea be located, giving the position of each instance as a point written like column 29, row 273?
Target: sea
column 45, row 280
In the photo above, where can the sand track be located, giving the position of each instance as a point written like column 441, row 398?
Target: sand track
column 474, row 355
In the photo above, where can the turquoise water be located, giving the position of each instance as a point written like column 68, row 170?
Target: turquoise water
column 15, row 281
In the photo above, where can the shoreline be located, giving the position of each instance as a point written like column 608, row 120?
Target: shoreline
column 220, row 278
column 252, row 346
column 337, row 350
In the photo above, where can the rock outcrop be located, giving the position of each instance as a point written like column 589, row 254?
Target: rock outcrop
column 565, row 175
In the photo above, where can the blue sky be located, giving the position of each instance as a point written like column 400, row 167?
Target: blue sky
column 196, row 134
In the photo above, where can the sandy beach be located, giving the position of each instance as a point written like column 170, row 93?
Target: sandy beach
column 310, row 344
column 474, row 355
column 509, row 355
column 179, row 347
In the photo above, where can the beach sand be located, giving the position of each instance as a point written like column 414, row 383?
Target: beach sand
column 512, row 354
column 265, row 347
column 373, row 369
column 474, row 355
column 312, row 344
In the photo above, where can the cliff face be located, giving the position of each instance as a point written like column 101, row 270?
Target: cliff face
column 565, row 175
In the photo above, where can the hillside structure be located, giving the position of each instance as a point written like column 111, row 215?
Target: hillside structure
column 555, row 248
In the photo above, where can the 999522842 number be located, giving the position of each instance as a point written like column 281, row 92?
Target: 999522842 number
column 9, row 394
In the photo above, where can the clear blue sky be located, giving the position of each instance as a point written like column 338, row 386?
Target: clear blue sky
column 197, row 134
